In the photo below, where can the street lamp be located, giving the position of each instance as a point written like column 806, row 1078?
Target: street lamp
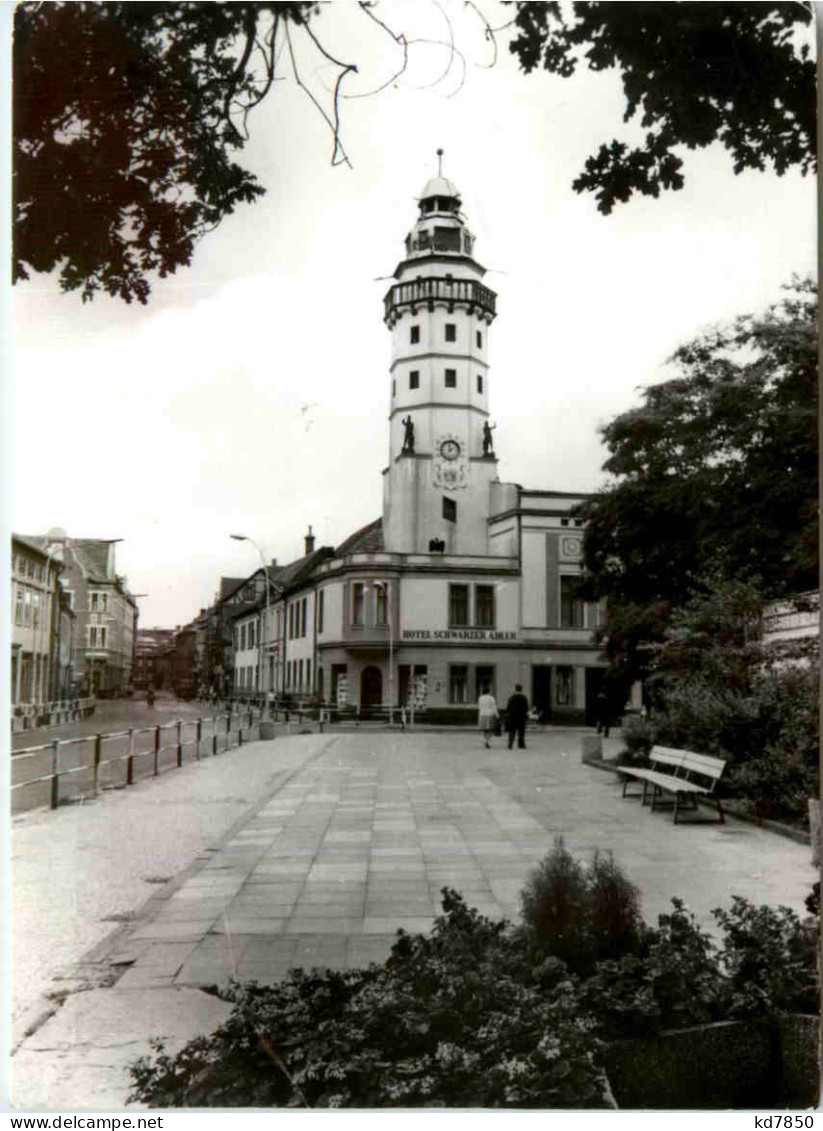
column 384, row 585
column 245, row 538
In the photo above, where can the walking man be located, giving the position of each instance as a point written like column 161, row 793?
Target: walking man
column 517, row 711
column 486, row 714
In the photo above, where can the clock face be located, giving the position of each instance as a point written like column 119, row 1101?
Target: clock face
column 450, row 449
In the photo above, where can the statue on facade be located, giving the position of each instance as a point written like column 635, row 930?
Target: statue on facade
column 488, row 443
column 408, row 436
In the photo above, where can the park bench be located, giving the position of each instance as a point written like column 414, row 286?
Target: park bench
column 680, row 772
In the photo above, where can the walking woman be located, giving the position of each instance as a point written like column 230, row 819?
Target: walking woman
column 486, row 715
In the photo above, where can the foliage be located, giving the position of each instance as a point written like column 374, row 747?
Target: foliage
column 769, row 959
column 125, row 118
column 693, row 74
column 581, row 914
column 671, row 981
column 715, row 480
column 460, row 1018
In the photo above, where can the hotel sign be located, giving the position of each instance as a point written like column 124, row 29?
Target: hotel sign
column 466, row 635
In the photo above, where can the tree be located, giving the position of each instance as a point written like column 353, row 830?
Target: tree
column 694, row 73
column 125, row 120
column 715, row 474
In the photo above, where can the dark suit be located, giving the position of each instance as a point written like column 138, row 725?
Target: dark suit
column 517, row 711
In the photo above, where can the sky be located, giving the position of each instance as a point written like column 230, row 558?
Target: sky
column 251, row 394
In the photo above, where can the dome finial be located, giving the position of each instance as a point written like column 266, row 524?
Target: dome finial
column 440, row 162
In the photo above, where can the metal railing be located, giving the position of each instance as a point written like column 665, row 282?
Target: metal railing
column 120, row 758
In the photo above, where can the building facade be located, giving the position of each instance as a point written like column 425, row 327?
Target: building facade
column 104, row 610
column 465, row 582
column 43, row 635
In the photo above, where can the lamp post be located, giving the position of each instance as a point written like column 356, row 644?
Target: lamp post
column 385, row 586
column 245, row 538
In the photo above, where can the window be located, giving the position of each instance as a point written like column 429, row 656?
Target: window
column 394, row 388
column 451, row 378
column 69, row 594
column 30, row 568
column 458, row 606
column 564, row 522
column 414, row 379
column 380, row 604
column 291, row 622
column 18, row 606
column 242, row 638
column 449, row 509
column 451, row 332
column 484, row 679
column 305, row 613
column 479, row 340
column 571, row 605
column 308, row 675
column 565, row 686
column 357, row 599
column 414, row 336
column 458, row 683
column 484, row 606
column 251, row 634
column 97, row 636
column 321, row 602
column 479, row 383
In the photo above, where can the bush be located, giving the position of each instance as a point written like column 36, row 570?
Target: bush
column 458, row 1019
column 769, row 958
column 579, row 914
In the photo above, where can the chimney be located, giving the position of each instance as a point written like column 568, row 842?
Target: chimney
column 273, row 563
column 309, row 542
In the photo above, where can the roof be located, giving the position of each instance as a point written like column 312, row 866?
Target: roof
column 281, row 579
column 366, row 540
column 30, row 543
column 439, row 186
column 228, row 585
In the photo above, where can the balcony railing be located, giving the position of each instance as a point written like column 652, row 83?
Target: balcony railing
column 426, row 292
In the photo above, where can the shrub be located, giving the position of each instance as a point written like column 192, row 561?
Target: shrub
column 672, row 982
column 769, row 958
column 581, row 914
column 460, row 1018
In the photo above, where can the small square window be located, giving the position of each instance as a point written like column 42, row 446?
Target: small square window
column 451, row 332
column 479, row 340
column 415, row 335
column 449, row 510
column 479, row 383
column 451, row 378
column 564, row 522
column 414, row 379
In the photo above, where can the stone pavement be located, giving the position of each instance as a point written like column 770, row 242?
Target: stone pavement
column 360, row 840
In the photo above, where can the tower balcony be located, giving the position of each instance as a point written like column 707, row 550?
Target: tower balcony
column 427, row 292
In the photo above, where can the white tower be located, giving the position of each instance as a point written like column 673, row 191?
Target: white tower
column 441, row 462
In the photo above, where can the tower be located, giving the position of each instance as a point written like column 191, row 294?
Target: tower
column 441, row 463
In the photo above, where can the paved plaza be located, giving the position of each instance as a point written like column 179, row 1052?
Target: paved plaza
column 361, row 841
column 358, row 834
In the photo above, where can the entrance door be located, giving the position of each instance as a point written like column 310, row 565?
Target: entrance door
column 371, row 687
column 594, row 685
column 542, row 690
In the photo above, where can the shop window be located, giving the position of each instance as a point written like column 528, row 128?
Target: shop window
column 451, row 332
column 484, row 679
column 565, row 686
column 458, row 606
column 357, row 602
column 414, row 379
column 449, row 509
column 414, row 335
column 451, row 378
column 484, row 606
column 571, row 604
column 458, row 683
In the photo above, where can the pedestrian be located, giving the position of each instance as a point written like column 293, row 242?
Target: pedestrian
column 517, row 711
column 604, row 714
column 486, row 714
